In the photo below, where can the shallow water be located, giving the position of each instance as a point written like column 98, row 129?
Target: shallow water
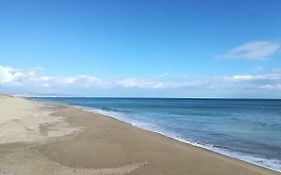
column 246, row 129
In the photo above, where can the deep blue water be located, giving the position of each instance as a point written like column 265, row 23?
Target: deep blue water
column 246, row 129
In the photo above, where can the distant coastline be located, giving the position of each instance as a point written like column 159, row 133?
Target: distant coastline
column 74, row 96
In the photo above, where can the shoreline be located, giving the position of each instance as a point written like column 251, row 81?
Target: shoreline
column 195, row 144
column 100, row 144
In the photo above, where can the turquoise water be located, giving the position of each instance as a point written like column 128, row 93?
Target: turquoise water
column 249, row 130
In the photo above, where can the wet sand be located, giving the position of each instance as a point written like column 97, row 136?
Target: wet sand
column 73, row 141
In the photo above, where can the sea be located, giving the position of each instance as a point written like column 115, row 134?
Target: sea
column 245, row 129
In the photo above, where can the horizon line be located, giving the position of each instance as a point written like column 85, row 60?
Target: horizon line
column 70, row 96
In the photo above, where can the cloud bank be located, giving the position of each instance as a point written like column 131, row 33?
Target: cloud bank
column 257, row 50
column 30, row 82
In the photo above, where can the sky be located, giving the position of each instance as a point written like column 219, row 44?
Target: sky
column 141, row 48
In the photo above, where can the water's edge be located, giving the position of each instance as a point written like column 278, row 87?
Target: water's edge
column 261, row 162
column 211, row 128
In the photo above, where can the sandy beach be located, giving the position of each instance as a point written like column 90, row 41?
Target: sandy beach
column 38, row 138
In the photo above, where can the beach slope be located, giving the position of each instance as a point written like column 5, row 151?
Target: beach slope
column 43, row 138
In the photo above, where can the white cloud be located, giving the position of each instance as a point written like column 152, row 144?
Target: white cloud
column 141, row 83
column 257, row 50
column 32, row 82
column 9, row 75
column 158, row 83
column 270, row 81
column 14, row 77
column 262, row 77
column 271, row 86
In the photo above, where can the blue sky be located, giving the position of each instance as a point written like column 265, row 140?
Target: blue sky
column 148, row 48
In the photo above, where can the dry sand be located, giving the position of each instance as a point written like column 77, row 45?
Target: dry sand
column 56, row 139
column 20, row 120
